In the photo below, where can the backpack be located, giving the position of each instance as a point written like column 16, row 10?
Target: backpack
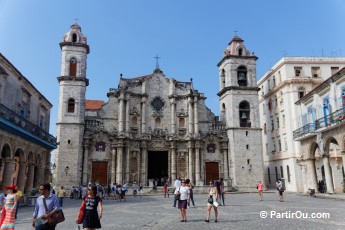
column 99, row 189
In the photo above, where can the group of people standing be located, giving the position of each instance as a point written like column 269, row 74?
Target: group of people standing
column 183, row 191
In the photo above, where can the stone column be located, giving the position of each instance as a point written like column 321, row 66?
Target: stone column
column 312, row 180
column 8, row 171
column 113, row 162
column 328, row 174
column 225, row 167
column 119, row 167
column 21, row 176
column 304, row 169
column 197, row 164
column 173, row 162
column 202, row 173
column 138, row 167
column 190, row 116
column 121, row 112
column 40, row 178
column 127, row 164
column 196, row 117
column 143, row 117
column 173, row 115
column 85, row 163
column 30, row 178
column 190, row 161
column 144, row 163
column 127, row 116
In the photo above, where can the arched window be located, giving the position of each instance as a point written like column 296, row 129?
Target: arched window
column 269, row 175
column 240, row 51
column 73, row 67
column 276, row 171
column 244, row 110
column 288, row 173
column 74, row 38
column 242, row 76
column 71, row 105
column 301, row 92
column 281, row 172
column 223, row 113
column 222, row 79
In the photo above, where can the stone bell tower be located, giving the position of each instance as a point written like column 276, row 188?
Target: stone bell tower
column 71, row 110
column 239, row 106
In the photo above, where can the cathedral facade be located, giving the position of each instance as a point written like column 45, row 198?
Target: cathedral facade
column 153, row 126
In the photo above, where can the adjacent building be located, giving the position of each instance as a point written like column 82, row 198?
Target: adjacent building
column 289, row 80
column 25, row 142
column 321, row 135
column 154, row 126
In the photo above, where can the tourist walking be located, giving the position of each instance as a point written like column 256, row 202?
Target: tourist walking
column 177, row 184
column 43, row 211
column 141, row 189
column 260, row 186
column 61, row 195
column 165, row 190
column 93, row 210
column 183, row 190
column 212, row 202
column 222, row 192
column 191, row 187
column 280, row 188
column 135, row 188
column 10, row 206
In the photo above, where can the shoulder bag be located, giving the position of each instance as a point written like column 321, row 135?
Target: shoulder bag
column 210, row 199
column 178, row 195
column 56, row 218
column 81, row 213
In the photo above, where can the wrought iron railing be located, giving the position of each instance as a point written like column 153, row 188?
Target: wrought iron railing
column 333, row 118
column 19, row 121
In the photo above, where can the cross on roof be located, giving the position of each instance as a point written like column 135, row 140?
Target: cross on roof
column 76, row 20
column 235, row 31
column 157, row 63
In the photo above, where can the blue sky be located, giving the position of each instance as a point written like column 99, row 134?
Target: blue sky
column 189, row 36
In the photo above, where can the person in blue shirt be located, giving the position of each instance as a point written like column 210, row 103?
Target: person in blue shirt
column 52, row 202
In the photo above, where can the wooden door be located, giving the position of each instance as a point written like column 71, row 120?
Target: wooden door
column 100, row 172
column 212, row 171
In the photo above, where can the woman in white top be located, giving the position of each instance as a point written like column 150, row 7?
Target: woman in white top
column 183, row 190
column 212, row 193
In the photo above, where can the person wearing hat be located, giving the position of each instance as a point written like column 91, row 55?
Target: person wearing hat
column 9, row 208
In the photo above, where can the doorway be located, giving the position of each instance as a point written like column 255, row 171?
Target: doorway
column 212, row 171
column 157, row 164
column 100, row 172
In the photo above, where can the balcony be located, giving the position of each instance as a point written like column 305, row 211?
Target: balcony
column 327, row 121
column 11, row 122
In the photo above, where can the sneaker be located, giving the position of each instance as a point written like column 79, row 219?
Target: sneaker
column 207, row 221
column 216, row 221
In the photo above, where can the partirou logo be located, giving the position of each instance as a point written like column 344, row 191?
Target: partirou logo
column 294, row 215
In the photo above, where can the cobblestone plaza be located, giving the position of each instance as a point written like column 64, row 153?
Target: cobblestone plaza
column 242, row 211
